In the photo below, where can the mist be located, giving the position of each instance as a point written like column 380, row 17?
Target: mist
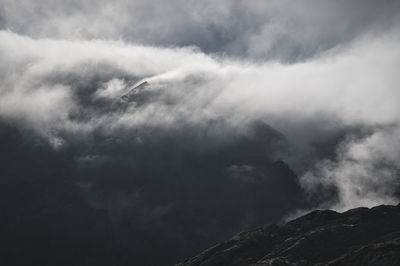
column 171, row 126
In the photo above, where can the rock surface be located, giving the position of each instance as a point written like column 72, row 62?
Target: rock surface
column 359, row 236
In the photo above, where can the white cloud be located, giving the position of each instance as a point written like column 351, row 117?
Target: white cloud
column 54, row 85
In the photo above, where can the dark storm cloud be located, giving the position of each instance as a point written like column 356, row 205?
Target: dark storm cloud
column 135, row 150
column 280, row 30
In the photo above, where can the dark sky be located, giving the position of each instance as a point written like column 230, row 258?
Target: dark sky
column 141, row 132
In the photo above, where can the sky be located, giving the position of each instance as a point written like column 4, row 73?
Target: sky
column 142, row 132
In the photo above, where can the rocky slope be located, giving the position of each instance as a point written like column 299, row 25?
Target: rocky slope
column 359, row 236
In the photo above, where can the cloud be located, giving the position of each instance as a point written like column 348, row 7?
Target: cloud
column 279, row 30
column 365, row 171
column 67, row 96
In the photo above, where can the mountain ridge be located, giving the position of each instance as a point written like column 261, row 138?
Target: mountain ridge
column 360, row 236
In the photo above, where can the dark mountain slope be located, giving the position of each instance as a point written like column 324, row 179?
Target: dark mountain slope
column 359, row 236
column 114, row 200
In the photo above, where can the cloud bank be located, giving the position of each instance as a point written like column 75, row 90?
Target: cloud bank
column 74, row 88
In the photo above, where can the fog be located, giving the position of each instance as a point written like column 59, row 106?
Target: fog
column 181, row 123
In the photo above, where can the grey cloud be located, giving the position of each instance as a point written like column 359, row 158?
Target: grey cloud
column 261, row 29
column 83, row 98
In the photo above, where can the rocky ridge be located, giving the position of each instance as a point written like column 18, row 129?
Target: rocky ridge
column 359, row 236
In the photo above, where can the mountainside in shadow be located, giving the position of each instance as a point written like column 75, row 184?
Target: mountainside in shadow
column 359, row 236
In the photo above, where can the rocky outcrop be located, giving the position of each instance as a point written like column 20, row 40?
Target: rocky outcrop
column 359, row 236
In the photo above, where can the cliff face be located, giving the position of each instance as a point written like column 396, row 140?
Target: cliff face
column 359, row 236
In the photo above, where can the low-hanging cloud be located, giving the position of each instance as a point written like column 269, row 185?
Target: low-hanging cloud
column 76, row 87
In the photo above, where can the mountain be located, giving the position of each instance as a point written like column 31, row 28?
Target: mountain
column 359, row 236
column 118, row 199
